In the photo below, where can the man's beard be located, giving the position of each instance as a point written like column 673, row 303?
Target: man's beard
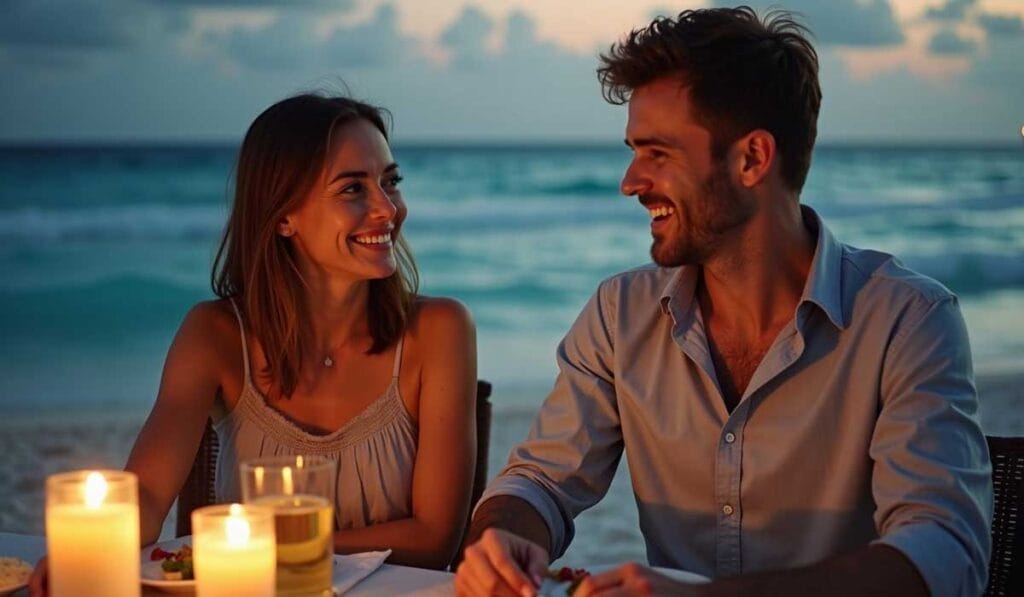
column 717, row 209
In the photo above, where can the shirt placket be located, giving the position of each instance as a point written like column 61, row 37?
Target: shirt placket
column 728, row 466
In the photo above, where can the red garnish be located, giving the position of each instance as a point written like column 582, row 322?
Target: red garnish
column 565, row 573
column 159, row 554
column 573, row 576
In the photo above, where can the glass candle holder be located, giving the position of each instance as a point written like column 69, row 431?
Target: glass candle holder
column 92, row 534
column 233, row 551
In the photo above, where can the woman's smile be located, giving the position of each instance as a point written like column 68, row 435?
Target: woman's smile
column 374, row 240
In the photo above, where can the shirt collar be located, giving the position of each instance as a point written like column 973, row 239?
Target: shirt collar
column 823, row 287
column 678, row 294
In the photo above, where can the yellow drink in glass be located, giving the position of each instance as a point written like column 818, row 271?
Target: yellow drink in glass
column 304, row 526
column 300, row 490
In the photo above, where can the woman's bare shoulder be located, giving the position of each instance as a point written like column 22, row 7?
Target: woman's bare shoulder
column 210, row 324
column 433, row 314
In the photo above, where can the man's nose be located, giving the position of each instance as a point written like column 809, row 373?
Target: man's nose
column 632, row 182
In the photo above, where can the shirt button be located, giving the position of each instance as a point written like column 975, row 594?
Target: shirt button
column 727, row 510
column 730, row 438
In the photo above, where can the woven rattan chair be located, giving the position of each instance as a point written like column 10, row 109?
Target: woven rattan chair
column 1006, row 569
column 198, row 489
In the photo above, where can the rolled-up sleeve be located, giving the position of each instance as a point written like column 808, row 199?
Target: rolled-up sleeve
column 932, row 474
column 570, row 456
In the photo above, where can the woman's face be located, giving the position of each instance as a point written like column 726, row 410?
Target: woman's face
column 347, row 224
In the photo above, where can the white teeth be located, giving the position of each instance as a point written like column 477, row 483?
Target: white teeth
column 658, row 212
column 378, row 239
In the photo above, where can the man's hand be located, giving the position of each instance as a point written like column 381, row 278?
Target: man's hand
column 501, row 563
column 632, row 579
column 38, row 581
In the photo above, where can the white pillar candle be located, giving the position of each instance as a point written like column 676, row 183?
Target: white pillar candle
column 233, row 551
column 92, row 534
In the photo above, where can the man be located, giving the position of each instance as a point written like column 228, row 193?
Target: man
column 799, row 416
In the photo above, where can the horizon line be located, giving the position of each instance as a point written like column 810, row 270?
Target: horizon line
column 481, row 143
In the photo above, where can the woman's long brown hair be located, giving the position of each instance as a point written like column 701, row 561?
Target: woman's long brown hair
column 281, row 159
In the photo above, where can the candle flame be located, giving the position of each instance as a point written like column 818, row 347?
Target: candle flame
column 95, row 489
column 258, row 473
column 236, row 527
column 286, row 478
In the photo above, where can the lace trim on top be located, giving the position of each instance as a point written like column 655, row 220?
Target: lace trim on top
column 386, row 409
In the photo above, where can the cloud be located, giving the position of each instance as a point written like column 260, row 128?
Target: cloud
column 504, row 81
column 901, row 106
column 521, row 88
column 324, row 4
column 377, row 42
column 999, row 68
column 466, row 38
column 949, row 42
column 863, row 23
column 1001, row 25
column 65, row 25
column 285, row 43
column 290, row 42
column 952, row 10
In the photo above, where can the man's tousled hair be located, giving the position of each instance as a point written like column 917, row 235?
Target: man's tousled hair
column 741, row 73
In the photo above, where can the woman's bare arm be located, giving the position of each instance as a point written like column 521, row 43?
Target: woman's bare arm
column 166, row 446
column 446, row 452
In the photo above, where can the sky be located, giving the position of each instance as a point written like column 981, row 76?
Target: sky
column 892, row 71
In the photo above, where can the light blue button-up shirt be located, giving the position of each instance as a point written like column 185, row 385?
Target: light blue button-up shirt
column 859, row 425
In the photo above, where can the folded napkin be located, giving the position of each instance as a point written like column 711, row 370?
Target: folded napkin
column 350, row 569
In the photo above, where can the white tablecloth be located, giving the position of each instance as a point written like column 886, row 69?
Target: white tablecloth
column 387, row 580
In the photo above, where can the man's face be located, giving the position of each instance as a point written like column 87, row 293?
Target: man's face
column 691, row 197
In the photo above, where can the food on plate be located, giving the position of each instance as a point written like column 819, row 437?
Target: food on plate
column 176, row 565
column 14, row 571
column 573, row 576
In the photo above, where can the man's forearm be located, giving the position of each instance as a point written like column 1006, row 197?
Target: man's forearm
column 871, row 570
column 511, row 514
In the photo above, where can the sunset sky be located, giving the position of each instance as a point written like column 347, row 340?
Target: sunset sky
column 903, row 71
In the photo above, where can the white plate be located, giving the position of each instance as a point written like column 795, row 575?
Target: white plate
column 9, row 589
column 552, row 588
column 153, row 575
column 682, row 575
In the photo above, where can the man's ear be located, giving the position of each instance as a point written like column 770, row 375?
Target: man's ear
column 756, row 154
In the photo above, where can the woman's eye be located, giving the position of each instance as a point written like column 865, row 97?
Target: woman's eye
column 392, row 181
column 354, row 188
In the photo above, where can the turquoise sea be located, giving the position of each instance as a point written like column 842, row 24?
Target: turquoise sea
column 103, row 250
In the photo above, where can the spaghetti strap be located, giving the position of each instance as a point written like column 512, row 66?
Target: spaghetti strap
column 398, row 357
column 241, row 330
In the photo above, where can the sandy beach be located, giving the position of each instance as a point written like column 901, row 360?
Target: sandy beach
column 32, row 449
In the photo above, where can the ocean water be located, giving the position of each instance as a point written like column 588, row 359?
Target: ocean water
column 103, row 250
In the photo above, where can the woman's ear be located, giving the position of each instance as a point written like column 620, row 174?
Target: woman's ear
column 284, row 227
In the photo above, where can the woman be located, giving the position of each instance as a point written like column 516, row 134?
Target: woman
column 320, row 344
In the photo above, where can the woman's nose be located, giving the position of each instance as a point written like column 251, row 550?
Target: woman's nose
column 383, row 206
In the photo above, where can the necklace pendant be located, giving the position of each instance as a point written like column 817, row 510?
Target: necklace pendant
column 328, row 362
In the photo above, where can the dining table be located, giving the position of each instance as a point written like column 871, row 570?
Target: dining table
column 389, row 579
